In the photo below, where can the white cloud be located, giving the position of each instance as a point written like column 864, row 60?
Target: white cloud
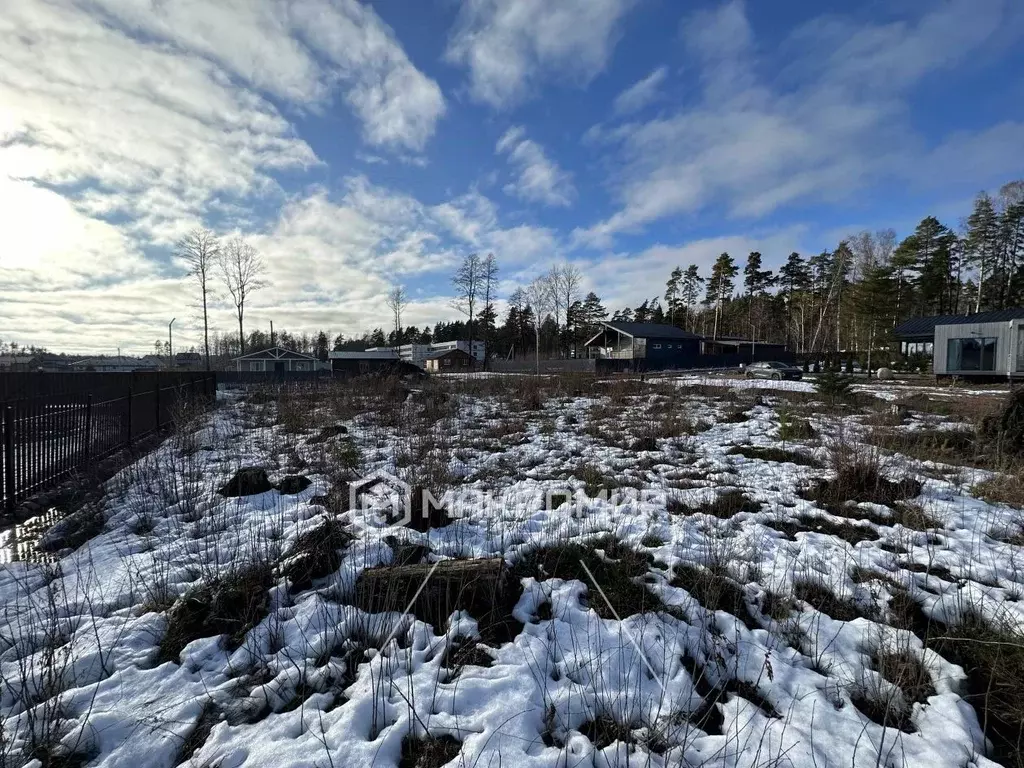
column 834, row 121
column 510, row 46
column 539, row 179
column 640, row 93
column 48, row 244
column 125, row 122
column 627, row 279
column 300, row 51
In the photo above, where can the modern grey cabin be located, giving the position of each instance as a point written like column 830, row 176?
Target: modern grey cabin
column 980, row 350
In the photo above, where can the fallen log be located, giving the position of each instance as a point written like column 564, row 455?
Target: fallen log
column 476, row 586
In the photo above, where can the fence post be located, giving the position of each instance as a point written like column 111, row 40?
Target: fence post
column 88, row 426
column 9, row 458
column 156, row 391
column 129, row 440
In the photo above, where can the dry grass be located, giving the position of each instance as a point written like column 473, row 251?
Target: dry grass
column 773, row 453
column 432, row 752
column 992, row 655
column 1002, row 489
column 817, row 594
column 230, row 605
column 616, row 567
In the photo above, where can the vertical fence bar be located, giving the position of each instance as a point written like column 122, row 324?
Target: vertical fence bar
column 88, row 426
column 9, row 458
column 33, row 437
column 129, row 438
column 156, row 391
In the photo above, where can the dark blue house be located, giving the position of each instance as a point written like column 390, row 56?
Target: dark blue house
column 643, row 346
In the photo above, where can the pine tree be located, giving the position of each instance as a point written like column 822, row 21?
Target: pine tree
column 872, row 297
column 794, row 279
column 928, row 252
column 756, row 281
column 592, row 314
column 903, row 262
column 322, row 346
column 689, row 290
column 672, row 297
column 642, row 314
column 1011, row 254
column 982, row 240
column 721, row 286
column 657, row 313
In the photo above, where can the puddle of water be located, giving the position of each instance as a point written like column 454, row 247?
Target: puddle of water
column 21, row 542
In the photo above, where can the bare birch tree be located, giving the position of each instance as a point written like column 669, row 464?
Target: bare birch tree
column 397, row 300
column 489, row 274
column 541, row 295
column 468, row 284
column 244, row 272
column 200, row 250
column 567, row 282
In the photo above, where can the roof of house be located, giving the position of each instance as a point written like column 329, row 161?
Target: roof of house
column 120, row 362
column 445, row 352
column 366, row 354
column 925, row 326
column 275, row 353
column 730, row 341
column 645, row 330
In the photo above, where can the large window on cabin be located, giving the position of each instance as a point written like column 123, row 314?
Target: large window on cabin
column 973, row 354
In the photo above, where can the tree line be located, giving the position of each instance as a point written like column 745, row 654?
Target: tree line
column 843, row 300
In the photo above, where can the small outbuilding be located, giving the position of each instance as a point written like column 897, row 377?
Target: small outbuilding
column 275, row 360
column 449, row 361
column 383, row 362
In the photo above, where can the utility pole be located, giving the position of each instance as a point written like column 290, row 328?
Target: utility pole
column 170, row 343
column 271, row 333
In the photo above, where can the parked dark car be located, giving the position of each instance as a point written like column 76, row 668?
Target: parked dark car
column 773, row 370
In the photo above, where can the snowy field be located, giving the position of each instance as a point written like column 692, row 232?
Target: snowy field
column 691, row 572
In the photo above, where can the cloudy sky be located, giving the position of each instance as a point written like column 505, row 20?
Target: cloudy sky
column 357, row 144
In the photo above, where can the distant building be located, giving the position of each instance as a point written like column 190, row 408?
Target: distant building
column 370, row 361
column 916, row 336
column 655, row 345
column 980, row 350
column 117, row 364
column 188, row 360
column 735, row 345
column 50, row 363
column 276, row 360
column 478, row 351
column 417, row 354
column 449, row 361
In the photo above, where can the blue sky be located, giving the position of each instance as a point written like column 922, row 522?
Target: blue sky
column 362, row 144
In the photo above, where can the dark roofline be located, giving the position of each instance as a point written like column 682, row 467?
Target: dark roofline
column 644, row 331
column 443, row 352
column 924, row 327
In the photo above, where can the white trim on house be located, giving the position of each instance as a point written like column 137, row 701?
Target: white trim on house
column 280, row 360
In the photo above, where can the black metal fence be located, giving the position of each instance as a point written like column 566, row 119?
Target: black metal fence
column 270, row 377
column 47, row 437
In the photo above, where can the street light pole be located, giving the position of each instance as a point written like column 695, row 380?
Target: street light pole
column 170, row 343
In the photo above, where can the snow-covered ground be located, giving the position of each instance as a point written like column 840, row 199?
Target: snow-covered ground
column 320, row 682
column 881, row 390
